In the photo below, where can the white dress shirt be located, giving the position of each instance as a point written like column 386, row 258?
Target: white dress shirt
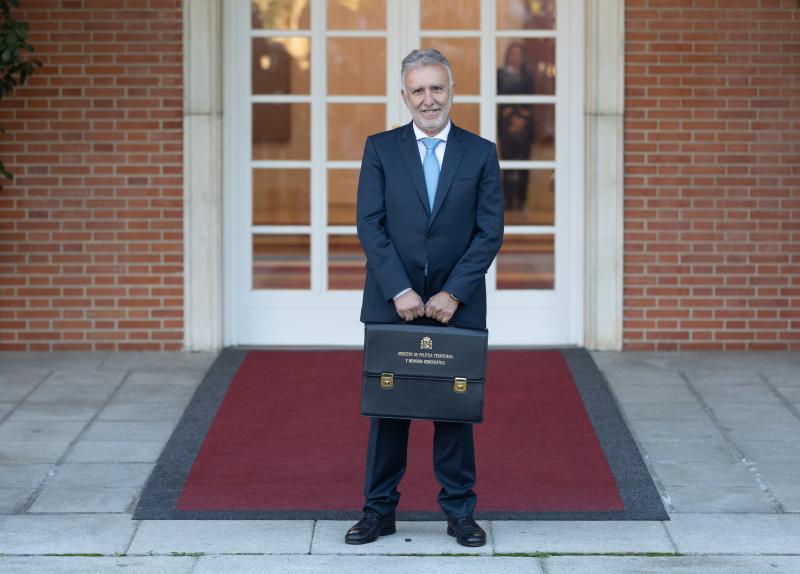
column 442, row 135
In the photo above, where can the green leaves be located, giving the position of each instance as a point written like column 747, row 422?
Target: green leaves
column 14, row 67
column 7, row 174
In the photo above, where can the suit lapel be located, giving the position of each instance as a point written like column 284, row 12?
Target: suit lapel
column 409, row 150
column 453, row 153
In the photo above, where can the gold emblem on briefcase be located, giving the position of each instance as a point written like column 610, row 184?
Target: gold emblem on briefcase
column 426, row 343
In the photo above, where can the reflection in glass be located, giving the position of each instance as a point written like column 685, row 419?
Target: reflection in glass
column 281, row 197
column 348, row 128
column 357, row 66
column 280, row 14
column 464, row 55
column 529, row 196
column 342, row 188
column 281, row 65
column 526, row 66
column 526, row 131
column 451, row 15
column 526, row 262
column 346, row 262
column 467, row 116
column 356, row 15
column 282, row 131
column 281, row 262
column 526, row 14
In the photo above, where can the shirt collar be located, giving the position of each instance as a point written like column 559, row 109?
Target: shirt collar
column 442, row 135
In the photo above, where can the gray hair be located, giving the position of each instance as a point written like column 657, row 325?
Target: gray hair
column 429, row 57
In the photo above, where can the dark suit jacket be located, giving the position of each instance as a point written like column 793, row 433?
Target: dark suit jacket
column 399, row 234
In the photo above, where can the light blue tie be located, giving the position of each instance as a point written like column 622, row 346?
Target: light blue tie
column 430, row 166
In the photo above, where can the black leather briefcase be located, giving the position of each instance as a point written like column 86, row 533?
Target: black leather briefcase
column 424, row 372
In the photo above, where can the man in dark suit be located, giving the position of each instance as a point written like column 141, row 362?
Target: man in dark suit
column 430, row 220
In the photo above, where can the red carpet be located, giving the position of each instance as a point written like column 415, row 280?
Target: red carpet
column 288, row 436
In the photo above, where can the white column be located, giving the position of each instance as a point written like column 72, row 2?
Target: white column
column 202, row 174
column 604, row 116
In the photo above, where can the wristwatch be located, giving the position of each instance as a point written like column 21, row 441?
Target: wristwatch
column 454, row 298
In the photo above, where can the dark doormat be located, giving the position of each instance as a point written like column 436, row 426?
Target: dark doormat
column 278, row 435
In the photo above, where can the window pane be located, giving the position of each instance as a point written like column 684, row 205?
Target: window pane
column 359, row 15
column 526, row 66
column 526, row 262
column 281, row 66
column 280, row 14
column 464, row 55
column 526, row 15
column 357, row 66
column 348, row 128
column 342, row 188
column 281, row 262
column 526, row 131
column 281, row 131
column 467, row 116
column 281, row 196
column 451, row 15
column 346, row 262
column 530, row 196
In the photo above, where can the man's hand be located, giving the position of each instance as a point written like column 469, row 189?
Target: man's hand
column 409, row 306
column 441, row 307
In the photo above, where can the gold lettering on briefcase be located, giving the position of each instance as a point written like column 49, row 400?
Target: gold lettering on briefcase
column 426, row 343
column 425, row 358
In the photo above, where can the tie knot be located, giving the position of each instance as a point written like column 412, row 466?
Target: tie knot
column 431, row 143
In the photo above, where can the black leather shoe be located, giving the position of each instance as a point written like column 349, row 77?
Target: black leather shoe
column 370, row 527
column 466, row 531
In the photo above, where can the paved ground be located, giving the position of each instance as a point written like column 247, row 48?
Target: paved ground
column 80, row 432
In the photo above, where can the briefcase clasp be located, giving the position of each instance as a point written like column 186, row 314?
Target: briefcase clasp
column 387, row 380
column 460, row 385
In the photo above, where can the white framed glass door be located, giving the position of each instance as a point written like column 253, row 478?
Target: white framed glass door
column 308, row 80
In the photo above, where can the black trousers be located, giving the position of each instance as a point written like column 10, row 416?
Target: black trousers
column 453, row 464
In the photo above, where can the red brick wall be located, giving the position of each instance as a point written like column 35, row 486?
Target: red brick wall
column 712, row 175
column 91, row 229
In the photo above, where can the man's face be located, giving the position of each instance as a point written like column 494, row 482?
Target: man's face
column 428, row 96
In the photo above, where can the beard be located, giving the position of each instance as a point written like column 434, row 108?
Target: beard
column 431, row 122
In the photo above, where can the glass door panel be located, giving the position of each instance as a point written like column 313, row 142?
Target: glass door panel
column 356, row 66
column 451, row 15
column 526, row 262
column 281, row 197
column 348, row 127
column 357, row 40
column 467, row 116
column 526, row 132
column 529, row 196
column 281, row 262
column 523, row 14
column 342, row 187
column 525, row 92
column 281, row 65
column 280, row 14
column 282, row 131
column 346, row 262
column 357, row 15
column 526, row 66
